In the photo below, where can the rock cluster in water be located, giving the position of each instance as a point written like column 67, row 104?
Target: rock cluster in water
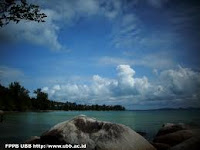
column 98, row 135
column 177, row 137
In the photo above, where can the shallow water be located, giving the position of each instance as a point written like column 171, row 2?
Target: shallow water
column 17, row 127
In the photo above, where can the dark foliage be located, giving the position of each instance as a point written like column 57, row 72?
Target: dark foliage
column 17, row 10
column 16, row 98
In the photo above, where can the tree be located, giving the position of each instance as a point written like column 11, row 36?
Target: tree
column 3, row 97
column 41, row 95
column 17, row 10
column 41, row 102
column 19, row 97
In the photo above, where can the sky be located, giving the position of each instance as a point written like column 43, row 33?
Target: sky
column 142, row 54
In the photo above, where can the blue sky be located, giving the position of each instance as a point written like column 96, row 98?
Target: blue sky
column 142, row 54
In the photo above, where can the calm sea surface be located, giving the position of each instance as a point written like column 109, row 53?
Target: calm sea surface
column 18, row 127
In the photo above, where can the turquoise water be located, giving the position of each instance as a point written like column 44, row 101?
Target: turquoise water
column 17, row 127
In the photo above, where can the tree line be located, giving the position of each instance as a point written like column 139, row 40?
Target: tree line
column 16, row 98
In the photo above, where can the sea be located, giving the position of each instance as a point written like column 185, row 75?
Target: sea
column 17, row 127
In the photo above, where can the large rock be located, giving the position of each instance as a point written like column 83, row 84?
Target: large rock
column 177, row 137
column 170, row 128
column 190, row 144
column 97, row 135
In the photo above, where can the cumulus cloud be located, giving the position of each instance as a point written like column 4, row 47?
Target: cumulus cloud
column 182, row 81
column 125, row 74
column 179, row 87
column 56, row 87
column 124, row 85
column 176, row 85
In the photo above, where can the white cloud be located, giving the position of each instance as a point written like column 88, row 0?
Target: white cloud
column 45, row 34
column 176, row 85
column 126, row 29
column 124, row 85
column 155, row 71
column 101, row 85
column 111, row 9
column 45, row 89
column 159, row 60
column 125, row 32
column 130, row 32
column 182, row 81
column 75, row 9
column 59, row 14
column 56, row 87
column 106, row 60
column 125, row 74
column 89, row 7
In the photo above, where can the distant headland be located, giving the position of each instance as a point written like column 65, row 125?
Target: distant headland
column 168, row 109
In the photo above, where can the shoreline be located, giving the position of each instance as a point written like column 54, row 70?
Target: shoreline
column 74, row 110
column 3, row 112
